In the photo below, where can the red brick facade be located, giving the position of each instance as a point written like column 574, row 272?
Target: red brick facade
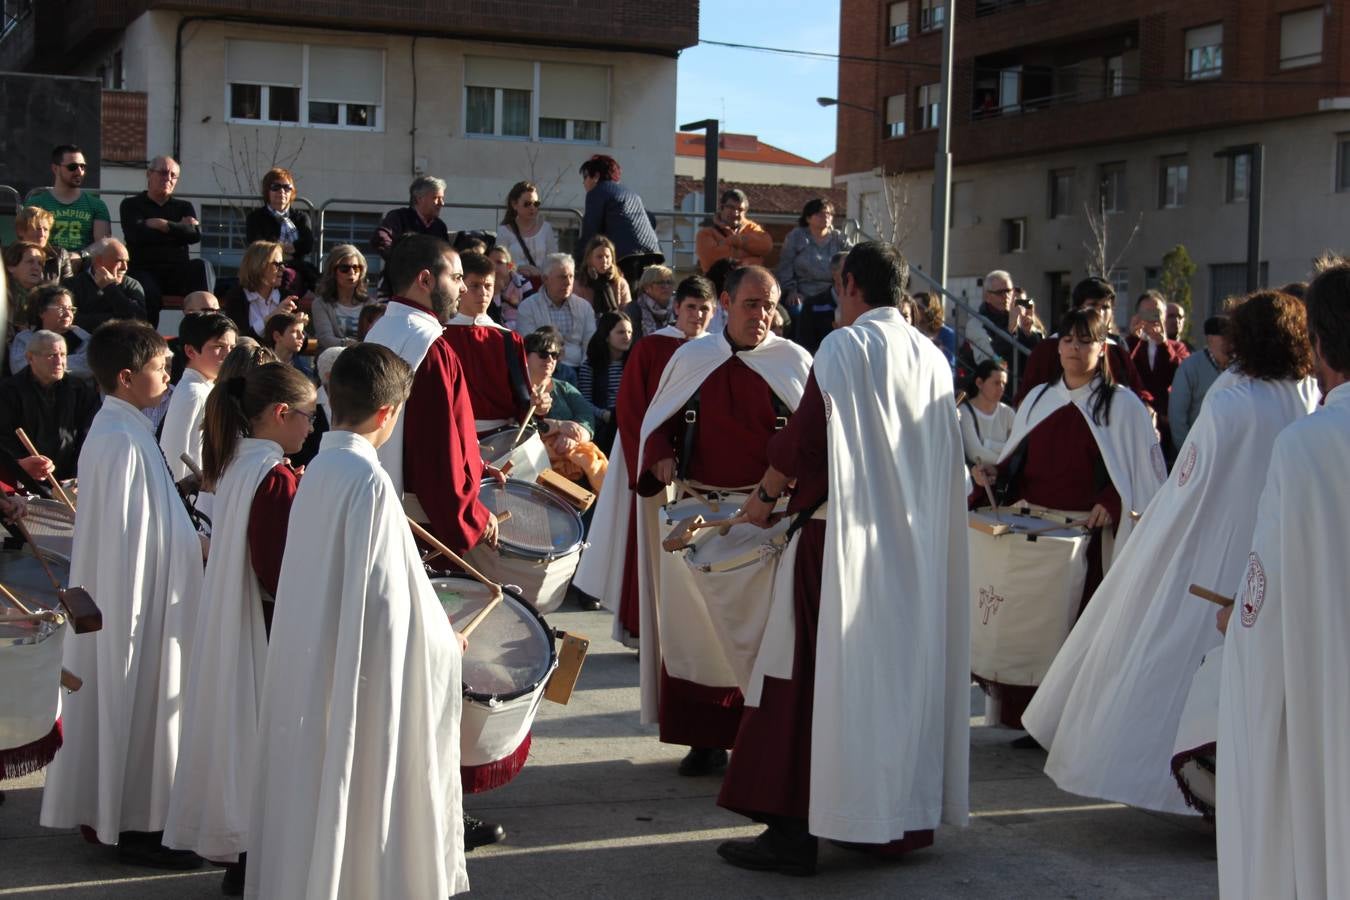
column 124, row 126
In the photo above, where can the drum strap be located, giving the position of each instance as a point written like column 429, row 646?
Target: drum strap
column 802, row 518
column 690, row 432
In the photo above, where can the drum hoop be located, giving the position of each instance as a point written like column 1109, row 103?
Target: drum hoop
column 507, row 696
column 548, row 498
column 773, row 546
column 729, row 500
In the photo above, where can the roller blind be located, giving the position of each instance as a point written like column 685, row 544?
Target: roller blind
column 1301, row 37
column 264, row 62
column 895, row 109
column 568, row 91
column 346, row 74
column 1204, row 37
column 485, row 71
column 899, row 14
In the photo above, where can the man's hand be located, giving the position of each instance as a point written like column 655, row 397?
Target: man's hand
column 157, row 224
column 757, row 511
column 494, row 473
column 984, row 474
column 37, row 467
column 13, row 508
column 1098, row 517
column 1221, row 619
column 188, row 220
column 463, row 642
column 104, row 277
column 490, row 532
column 663, row 470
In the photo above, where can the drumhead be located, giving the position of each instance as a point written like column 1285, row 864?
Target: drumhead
column 498, row 442
column 24, row 577
column 542, row 525
column 52, row 525
column 729, row 504
column 1021, row 523
column 510, row 652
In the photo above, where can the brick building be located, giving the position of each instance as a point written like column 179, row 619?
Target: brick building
column 1061, row 106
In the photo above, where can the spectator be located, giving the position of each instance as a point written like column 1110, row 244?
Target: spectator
column 729, row 234
column 932, row 319
column 159, row 228
column 34, row 225
column 54, row 410
column 908, row 312
column 1176, row 325
column 1196, row 374
column 652, row 310
column 601, row 373
column 285, row 337
column 473, row 242
column 277, row 221
column 104, row 290
column 817, row 316
column 339, row 296
column 1156, row 359
column 555, row 304
column 804, row 262
column 80, row 217
column 599, row 282
column 986, row 421
column 52, row 308
column 782, row 322
column 565, row 409
column 23, row 271
column 509, row 288
column 422, row 215
column 370, row 314
column 258, row 295
column 524, row 233
column 617, row 213
column 1000, row 308
column 194, row 303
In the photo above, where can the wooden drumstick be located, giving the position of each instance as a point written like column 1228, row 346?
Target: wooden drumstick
column 960, row 397
column 483, row 613
column 16, row 602
column 191, row 465
column 689, row 489
column 504, row 516
column 528, row 416
column 1211, row 596
column 453, row 557
column 70, row 681
column 83, row 612
column 51, row 476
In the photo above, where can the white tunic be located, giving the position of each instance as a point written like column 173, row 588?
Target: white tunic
column 209, row 806
column 136, row 551
column 1109, row 707
column 1283, row 807
column 182, row 431
column 357, row 792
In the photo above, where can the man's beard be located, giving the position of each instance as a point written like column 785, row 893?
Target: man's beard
column 444, row 304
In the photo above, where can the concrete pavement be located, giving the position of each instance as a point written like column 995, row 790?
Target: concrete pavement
column 599, row 812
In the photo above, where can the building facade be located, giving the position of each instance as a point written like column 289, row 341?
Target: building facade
column 1133, row 113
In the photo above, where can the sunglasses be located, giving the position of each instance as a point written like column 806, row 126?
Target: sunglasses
column 76, row 167
column 277, row 265
column 348, row 268
column 535, row 203
column 548, row 354
column 1004, row 291
column 280, row 188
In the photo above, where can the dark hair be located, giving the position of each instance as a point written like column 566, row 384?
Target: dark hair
column 1085, row 323
column 198, row 328
column 40, row 298
column 477, row 264
column 1092, row 288
column 812, row 207
column 982, row 373
column 1296, row 289
column 518, row 190
column 546, row 339
column 604, row 288
column 60, row 150
column 719, row 271
column 597, row 354
column 695, row 286
column 1215, row 326
column 1268, row 336
column 410, row 255
column 1328, row 300
column 365, row 378
column 367, row 317
column 879, row 271
column 15, row 251
column 236, row 403
column 1150, row 295
column 740, row 273
column 278, row 175
column 277, row 323
column 246, row 356
column 733, row 195
column 473, row 242
column 606, row 168
column 120, row 344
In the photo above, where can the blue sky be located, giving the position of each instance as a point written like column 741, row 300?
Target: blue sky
column 766, row 94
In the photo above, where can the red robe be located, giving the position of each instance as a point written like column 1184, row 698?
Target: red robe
column 268, row 518
column 1042, row 367
column 494, row 370
column 1157, row 379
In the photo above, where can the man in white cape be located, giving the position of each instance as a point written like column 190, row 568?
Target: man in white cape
column 136, row 551
column 857, row 720
column 1283, row 804
column 357, row 791
column 1109, row 707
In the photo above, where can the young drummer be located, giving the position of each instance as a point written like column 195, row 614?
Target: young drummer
column 492, row 356
column 357, row 789
column 136, row 551
column 251, row 423
column 206, row 339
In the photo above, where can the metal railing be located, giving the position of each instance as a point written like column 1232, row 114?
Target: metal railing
column 961, row 307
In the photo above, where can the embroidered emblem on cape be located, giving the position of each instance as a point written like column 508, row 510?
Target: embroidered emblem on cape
column 1155, row 454
column 989, row 603
column 1253, row 590
column 1187, row 465
column 829, row 406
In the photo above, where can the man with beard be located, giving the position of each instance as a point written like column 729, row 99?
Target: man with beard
column 80, row 217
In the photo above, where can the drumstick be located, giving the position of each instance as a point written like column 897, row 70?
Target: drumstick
column 191, row 465
column 482, row 613
column 70, row 681
column 693, row 492
column 432, row 554
column 453, row 556
column 51, row 476
column 19, row 604
column 960, row 397
column 526, row 424
column 1211, row 596
column 32, row 545
column 988, row 492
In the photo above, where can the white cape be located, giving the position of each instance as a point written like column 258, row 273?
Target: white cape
column 357, row 792
column 136, row 551
column 208, row 809
column 785, row 367
column 182, row 431
column 1109, row 707
column 1283, row 808
column 410, row 333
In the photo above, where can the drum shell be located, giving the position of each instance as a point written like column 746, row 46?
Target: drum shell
column 1194, row 752
column 528, row 458
column 52, row 525
column 31, row 674
column 542, row 576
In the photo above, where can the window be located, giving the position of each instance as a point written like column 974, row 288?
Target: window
column 895, row 116
column 928, row 106
column 1115, row 77
column 1230, row 280
column 1152, row 278
column 497, row 96
column 1013, row 235
column 305, row 84
column 1061, row 193
column 1173, row 174
column 898, row 31
column 1120, row 281
column 571, row 102
column 1111, row 180
column 223, row 238
column 932, row 13
column 1343, row 162
column 1204, row 52
column 112, row 72
column 1239, row 168
column 342, row 227
column 1301, row 38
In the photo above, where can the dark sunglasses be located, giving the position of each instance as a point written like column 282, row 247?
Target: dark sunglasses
column 280, row 188
column 548, row 354
column 534, row 203
column 277, row 265
column 348, row 268
column 75, row 167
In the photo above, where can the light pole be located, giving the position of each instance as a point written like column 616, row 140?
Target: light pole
column 710, row 140
column 942, row 163
column 834, row 101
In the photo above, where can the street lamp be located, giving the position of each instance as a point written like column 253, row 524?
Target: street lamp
column 709, row 127
column 834, row 101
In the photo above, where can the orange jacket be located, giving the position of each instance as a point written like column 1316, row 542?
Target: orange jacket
column 748, row 246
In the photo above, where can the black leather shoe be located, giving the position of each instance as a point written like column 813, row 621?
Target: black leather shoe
column 771, row 852
column 232, row 885
column 1025, row 742
column 136, row 848
column 478, row 833
column 703, row 761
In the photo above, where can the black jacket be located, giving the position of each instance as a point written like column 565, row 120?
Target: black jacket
column 56, row 418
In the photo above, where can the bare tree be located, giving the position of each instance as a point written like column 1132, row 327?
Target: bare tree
column 1099, row 260
column 547, row 187
column 251, row 156
column 899, row 224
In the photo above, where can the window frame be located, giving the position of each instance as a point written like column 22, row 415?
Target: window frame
column 1008, row 228
column 1341, row 163
column 932, row 15
column 1286, row 63
column 890, row 132
column 1058, row 200
column 897, row 34
column 927, row 112
column 1181, row 162
column 303, row 101
column 536, row 114
column 1235, row 188
column 1207, row 73
column 1115, row 199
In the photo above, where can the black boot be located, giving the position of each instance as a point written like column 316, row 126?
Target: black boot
column 703, row 761
column 478, row 833
column 232, row 885
column 791, row 852
column 143, row 848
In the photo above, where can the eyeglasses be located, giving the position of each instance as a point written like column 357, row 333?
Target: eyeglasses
column 280, row 188
column 300, row 412
column 167, row 173
column 277, row 264
column 548, row 354
column 51, row 357
column 348, row 268
column 1004, row 291
column 67, row 310
column 76, row 167
column 534, row 203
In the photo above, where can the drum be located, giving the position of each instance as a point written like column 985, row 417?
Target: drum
column 528, row 457
column 30, row 653
column 538, row 547
column 1193, row 759
column 510, row 658
column 1026, row 590
column 52, row 525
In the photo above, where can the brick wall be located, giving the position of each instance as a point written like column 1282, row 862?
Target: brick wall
column 124, row 126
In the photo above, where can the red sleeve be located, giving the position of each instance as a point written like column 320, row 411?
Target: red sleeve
column 660, row 445
column 799, row 450
column 267, row 521
column 1041, row 366
column 518, row 372
column 441, row 464
column 1126, row 372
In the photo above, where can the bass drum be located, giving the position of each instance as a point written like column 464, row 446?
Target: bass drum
column 1196, row 748
column 528, row 456
column 538, row 547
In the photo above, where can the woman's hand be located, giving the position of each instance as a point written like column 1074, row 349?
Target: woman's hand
column 984, row 474
column 1099, row 517
column 543, row 403
column 289, row 305
column 37, row 467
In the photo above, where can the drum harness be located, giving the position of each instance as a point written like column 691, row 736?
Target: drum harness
column 781, row 416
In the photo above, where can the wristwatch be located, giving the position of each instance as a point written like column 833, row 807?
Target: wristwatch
column 764, row 497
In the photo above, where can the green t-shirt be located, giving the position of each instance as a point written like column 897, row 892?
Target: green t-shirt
column 74, row 225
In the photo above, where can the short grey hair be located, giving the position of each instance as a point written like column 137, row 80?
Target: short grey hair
column 423, row 185
column 44, row 338
column 160, row 162
column 324, row 364
column 555, row 261
column 997, row 273
column 101, row 246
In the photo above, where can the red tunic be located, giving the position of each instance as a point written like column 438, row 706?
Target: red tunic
column 1043, row 366
column 1157, row 379
column 494, row 369
column 267, row 521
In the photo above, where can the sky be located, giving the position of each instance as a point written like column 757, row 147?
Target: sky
column 769, row 95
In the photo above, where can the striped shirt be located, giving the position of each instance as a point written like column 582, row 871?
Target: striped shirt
column 586, row 382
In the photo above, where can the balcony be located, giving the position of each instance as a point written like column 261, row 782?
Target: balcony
column 1029, row 79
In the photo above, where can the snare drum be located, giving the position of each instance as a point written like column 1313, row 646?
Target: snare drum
column 538, row 547
column 510, row 658
column 1195, row 751
column 52, row 525
column 1026, row 591
column 30, row 653
column 528, row 457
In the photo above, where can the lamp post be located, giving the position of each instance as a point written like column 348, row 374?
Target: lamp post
column 834, row 101
column 710, row 141
column 942, row 163
column 1255, row 154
